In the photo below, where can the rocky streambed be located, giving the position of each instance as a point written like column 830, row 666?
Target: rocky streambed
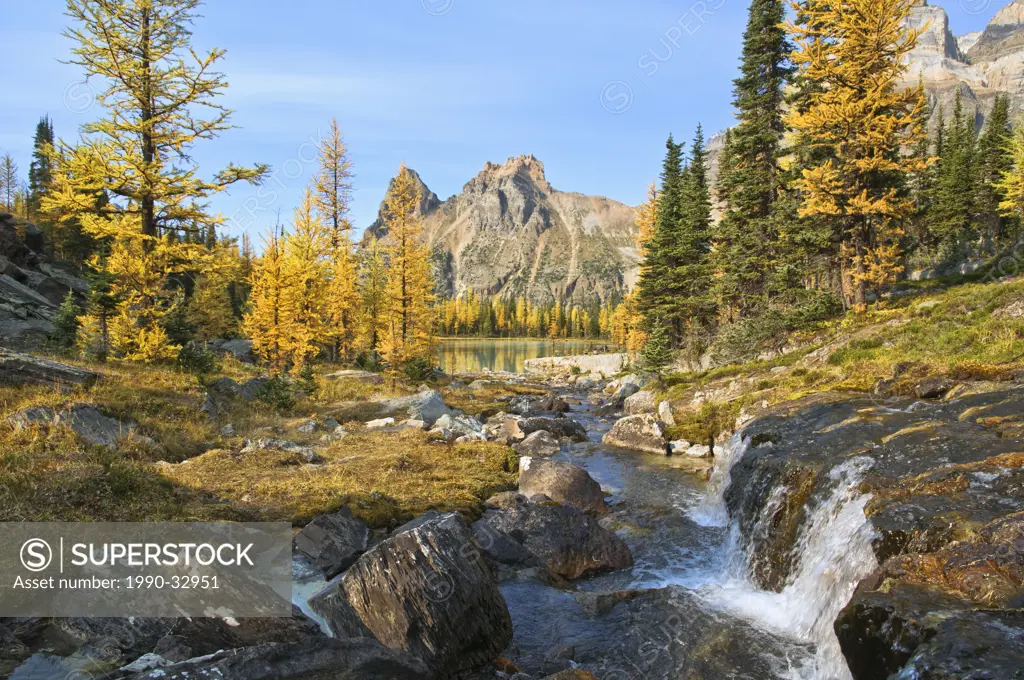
column 832, row 538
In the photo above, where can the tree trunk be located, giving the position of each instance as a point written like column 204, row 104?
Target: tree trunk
column 147, row 204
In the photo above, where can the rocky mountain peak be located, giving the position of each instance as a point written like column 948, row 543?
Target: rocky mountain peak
column 525, row 167
column 429, row 202
column 510, row 233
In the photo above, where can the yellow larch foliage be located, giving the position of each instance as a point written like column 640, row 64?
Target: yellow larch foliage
column 854, row 52
column 139, row 277
column 332, row 195
column 306, row 267
column 646, row 218
column 408, row 332
column 1012, row 183
column 626, row 326
column 373, row 283
column 262, row 323
column 160, row 96
column 210, row 308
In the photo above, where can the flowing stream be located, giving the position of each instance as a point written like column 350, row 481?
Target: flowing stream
column 680, row 532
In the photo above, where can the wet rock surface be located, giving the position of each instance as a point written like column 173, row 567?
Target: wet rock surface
column 662, row 633
column 559, row 427
column 945, row 481
column 570, row 543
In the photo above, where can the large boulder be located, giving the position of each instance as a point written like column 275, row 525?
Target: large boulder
column 85, row 420
column 425, row 590
column 316, row 659
column 462, row 426
column 355, row 374
column 34, row 238
column 570, row 543
column 237, row 349
column 623, row 393
column 561, row 482
column 332, row 543
column 21, row 369
column 11, row 245
column 540, row 444
column 638, row 433
column 566, row 428
column 640, row 403
column 427, row 406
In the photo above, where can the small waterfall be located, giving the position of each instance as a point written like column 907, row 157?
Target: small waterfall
column 712, row 511
column 834, row 554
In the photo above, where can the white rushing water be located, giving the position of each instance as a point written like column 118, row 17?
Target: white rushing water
column 833, row 554
column 711, row 511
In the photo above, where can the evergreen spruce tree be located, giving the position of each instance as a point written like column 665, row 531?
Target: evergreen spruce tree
column 656, row 297
column 40, row 172
column 952, row 211
column 692, row 273
column 657, row 353
column 993, row 162
column 751, row 179
column 66, row 323
column 100, row 306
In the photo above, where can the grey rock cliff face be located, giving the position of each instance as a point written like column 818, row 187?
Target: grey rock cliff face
column 510, row 233
column 981, row 65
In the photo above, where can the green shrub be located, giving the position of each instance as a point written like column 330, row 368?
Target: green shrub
column 65, row 324
column 197, row 358
column 278, row 393
column 419, row 369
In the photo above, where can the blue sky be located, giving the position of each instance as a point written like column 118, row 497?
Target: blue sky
column 592, row 88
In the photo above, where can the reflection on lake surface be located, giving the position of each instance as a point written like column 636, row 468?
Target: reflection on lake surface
column 471, row 356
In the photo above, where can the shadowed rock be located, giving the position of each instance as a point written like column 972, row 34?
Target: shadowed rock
column 569, row 542
column 332, row 543
column 322, row 659
column 425, row 590
column 22, row 369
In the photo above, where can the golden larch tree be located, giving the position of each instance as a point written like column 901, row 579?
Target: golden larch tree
column 161, row 97
column 262, row 322
column 408, row 331
column 1012, row 183
column 853, row 54
column 306, row 265
column 211, row 309
column 332, row 193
